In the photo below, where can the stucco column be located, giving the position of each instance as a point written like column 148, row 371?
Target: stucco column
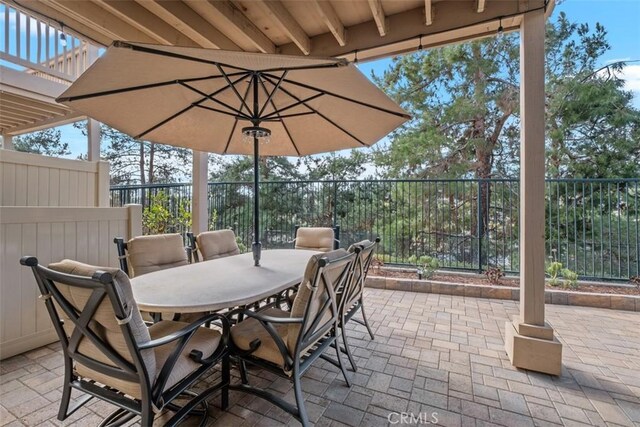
column 529, row 340
column 200, row 202
column 7, row 142
column 93, row 140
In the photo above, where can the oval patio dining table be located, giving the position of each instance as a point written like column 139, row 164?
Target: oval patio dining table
column 220, row 283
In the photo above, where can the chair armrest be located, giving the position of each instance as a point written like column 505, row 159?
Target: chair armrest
column 271, row 319
column 191, row 328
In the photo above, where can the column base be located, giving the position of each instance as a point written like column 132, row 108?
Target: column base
column 537, row 351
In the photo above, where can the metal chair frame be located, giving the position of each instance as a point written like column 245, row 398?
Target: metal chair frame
column 350, row 297
column 153, row 395
column 313, row 337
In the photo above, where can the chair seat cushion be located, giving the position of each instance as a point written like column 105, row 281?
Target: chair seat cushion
column 206, row 340
column 249, row 329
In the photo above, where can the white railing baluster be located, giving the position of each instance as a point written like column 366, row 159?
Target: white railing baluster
column 18, row 52
column 55, row 62
column 39, row 45
column 6, row 28
column 74, row 71
column 28, row 37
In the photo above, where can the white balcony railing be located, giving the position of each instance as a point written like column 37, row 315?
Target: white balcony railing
column 42, row 48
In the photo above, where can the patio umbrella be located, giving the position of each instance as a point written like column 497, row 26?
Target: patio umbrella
column 234, row 102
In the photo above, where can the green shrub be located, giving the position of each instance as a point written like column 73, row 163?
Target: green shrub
column 553, row 271
column 158, row 219
column 571, row 278
column 426, row 265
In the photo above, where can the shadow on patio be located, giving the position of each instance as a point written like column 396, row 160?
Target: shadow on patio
column 435, row 357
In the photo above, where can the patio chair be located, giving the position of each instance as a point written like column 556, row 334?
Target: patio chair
column 146, row 254
column 352, row 297
column 321, row 239
column 288, row 343
column 109, row 353
column 213, row 244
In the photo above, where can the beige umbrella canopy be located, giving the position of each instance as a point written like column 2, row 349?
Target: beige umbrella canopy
column 227, row 102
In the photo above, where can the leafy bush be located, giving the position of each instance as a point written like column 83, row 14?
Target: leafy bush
column 553, row 270
column 494, row 274
column 157, row 218
column 427, row 266
column 571, row 278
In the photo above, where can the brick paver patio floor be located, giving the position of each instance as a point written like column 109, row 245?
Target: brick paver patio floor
column 435, row 356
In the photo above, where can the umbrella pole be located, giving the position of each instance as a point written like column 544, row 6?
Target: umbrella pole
column 257, row 246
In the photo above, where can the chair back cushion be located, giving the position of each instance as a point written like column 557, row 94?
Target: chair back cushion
column 217, row 244
column 153, row 253
column 104, row 322
column 316, row 288
column 315, row 238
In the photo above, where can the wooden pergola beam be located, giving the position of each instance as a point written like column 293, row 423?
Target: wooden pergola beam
column 379, row 17
column 33, row 106
column 281, row 16
column 224, row 10
column 480, row 5
column 188, row 22
column 4, row 108
column 453, row 24
column 428, row 12
column 331, row 20
column 146, row 22
column 92, row 15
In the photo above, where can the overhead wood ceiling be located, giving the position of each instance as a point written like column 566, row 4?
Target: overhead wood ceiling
column 372, row 28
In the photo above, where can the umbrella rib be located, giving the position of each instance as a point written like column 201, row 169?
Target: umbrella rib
column 217, row 101
column 145, row 49
column 355, row 101
column 233, row 129
column 133, row 88
column 323, row 116
column 235, row 90
column 277, row 112
column 284, row 125
column 184, row 110
column 235, row 123
column 287, row 116
column 341, row 63
column 270, row 95
column 219, row 111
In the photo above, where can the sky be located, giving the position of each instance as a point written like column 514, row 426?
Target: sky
column 619, row 17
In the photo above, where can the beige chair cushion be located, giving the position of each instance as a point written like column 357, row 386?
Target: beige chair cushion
column 104, row 322
column 153, row 253
column 315, row 238
column 249, row 329
column 206, row 340
column 305, row 293
column 217, row 244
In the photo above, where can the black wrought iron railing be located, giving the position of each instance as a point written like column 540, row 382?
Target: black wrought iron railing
column 592, row 226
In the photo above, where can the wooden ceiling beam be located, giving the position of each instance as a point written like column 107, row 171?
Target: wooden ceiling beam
column 15, row 117
column 279, row 14
column 331, row 20
column 93, row 15
column 20, row 112
column 456, row 21
column 224, row 10
column 143, row 20
column 33, row 106
column 379, row 17
column 189, row 23
column 428, row 12
column 480, row 5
